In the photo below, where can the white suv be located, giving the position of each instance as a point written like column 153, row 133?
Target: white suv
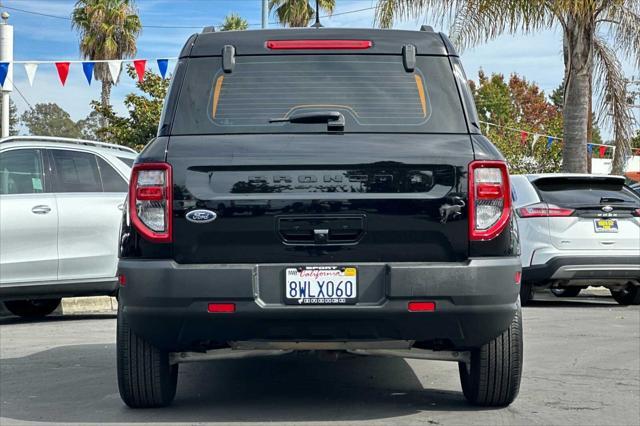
column 578, row 230
column 61, row 205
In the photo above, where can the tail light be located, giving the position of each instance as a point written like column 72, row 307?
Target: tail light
column 150, row 198
column 489, row 199
column 544, row 210
column 636, row 212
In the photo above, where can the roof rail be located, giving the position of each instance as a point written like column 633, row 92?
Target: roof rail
column 209, row 29
column 427, row 28
column 69, row 140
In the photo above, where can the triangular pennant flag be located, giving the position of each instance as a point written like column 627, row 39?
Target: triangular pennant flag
column 523, row 137
column 139, row 65
column 63, row 71
column 549, row 142
column 114, row 70
column 603, row 150
column 87, row 67
column 31, row 69
column 162, row 66
column 4, row 70
column 535, row 139
column 589, row 148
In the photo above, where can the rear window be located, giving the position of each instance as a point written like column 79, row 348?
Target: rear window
column 568, row 192
column 374, row 93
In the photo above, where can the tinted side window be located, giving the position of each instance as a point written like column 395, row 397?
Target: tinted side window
column 570, row 192
column 111, row 180
column 21, row 172
column 76, row 171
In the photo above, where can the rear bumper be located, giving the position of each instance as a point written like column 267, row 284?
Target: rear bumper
column 586, row 268
column 166, row 303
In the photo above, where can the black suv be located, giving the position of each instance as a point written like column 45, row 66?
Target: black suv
column 319, row 190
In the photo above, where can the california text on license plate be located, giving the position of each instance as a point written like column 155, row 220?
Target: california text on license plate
column 321, row 285
column 605, row 225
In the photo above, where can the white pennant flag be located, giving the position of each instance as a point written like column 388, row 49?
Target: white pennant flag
column 114, row 70
column 31, row 69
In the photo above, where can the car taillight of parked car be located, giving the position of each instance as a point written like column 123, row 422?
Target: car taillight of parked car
column 150, row 197
column 544, row 210
column 489, row 199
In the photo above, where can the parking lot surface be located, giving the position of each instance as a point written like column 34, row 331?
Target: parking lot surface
column 582, row 366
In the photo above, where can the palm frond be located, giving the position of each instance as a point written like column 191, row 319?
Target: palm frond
column 623, row 22
column 471, row 21
column 613, row 110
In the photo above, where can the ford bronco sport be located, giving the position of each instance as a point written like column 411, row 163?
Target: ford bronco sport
column 319, row 190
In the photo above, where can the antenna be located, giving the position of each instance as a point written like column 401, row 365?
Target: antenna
column 317, row 24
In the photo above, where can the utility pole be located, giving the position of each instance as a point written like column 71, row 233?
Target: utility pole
column 6, row 55
column 265, row 14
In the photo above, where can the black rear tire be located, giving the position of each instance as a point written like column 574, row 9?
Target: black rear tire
column 566, row 292
column 492, row 379
column 629, row 295
column 526, row 293
column 145, row 377
column 35, row 308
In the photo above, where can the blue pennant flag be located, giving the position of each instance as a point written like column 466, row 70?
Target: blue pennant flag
column 87, row 67
column 589, row 148
column 162, row 66
column 4, row 70
column 549, row 142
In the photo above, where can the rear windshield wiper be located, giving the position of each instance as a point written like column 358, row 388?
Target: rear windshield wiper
column 334, row 119
column 613, row 200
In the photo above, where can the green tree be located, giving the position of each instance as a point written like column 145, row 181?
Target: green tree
column 298, row 13
column 48, row 119
column 635, row 142
column 514, row 105
column 590, row 60
column 144, row 110
column 234, row 22
column 13, row 118
column 108, row 30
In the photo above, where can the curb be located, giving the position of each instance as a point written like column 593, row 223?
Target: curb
column 83, row 305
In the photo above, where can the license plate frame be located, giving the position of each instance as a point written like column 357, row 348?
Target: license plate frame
column 605, row 225
column 330, row 294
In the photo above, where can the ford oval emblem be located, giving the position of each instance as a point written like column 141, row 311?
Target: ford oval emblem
column 607, row 209
column 201, row 216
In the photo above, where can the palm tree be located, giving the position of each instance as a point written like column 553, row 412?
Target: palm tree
column 298, row 13
column 593, row 32
column 233, row 22
column 108, row 30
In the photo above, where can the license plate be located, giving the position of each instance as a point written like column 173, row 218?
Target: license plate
column 321, row 285
column 605, row 225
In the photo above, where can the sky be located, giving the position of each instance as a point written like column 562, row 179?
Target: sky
column 537, row 57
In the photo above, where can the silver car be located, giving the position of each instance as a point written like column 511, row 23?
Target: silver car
column 61, row 205
column 578, row 230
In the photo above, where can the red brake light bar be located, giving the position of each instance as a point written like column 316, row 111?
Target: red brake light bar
column 544, row 210
column 319, row 44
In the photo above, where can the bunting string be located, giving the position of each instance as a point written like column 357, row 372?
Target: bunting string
column 524, row 136
column 62, row 67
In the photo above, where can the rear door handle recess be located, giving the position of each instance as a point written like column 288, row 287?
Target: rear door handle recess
column 41, row 209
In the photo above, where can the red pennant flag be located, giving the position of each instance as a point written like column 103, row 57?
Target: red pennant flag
column 523, row 137
column 140, row 64
column 603, row 149
column 63, row 71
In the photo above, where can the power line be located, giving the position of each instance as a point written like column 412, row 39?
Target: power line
column 66, row 18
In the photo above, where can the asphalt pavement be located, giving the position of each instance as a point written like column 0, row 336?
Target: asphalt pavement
column 582, row 367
